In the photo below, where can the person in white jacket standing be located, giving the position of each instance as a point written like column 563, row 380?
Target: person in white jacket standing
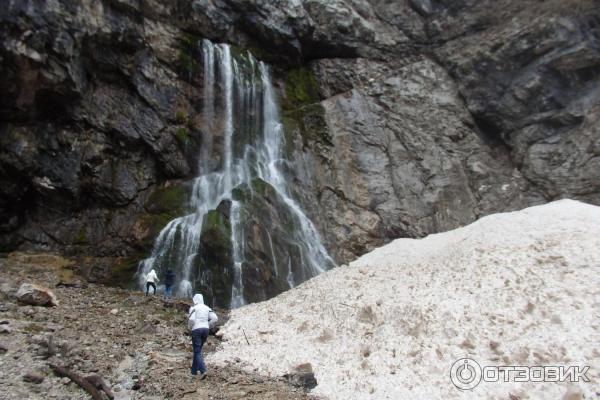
column 200, row 319
column 151, row 280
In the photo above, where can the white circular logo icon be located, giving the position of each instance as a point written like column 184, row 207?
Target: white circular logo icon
column 465, row 374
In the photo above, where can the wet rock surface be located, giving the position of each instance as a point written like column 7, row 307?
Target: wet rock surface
column 141, row 351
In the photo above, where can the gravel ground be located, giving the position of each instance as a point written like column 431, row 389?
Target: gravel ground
column 140, row 347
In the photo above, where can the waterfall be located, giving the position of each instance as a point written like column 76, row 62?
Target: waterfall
column 249, row 124
column 208, row 53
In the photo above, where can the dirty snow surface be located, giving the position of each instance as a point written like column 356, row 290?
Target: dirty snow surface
column 520, row 288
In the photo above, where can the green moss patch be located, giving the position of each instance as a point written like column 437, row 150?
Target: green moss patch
column 303, row 113
column 171, row 200
column 217, row 222
column 301, row 87
column 80, row 236
column 154, row 223
column 188, row 57
column 309, row 121
column 182, row 135
column 240, row 193
column 261, row 187
column 215, row 262
column 180, row 117
column 123, row 270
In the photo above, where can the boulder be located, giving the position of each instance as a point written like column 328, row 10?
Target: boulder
column 34, row 377
column 36, row 295
column 302, row 376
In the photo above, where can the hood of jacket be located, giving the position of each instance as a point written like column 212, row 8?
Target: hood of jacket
column 198, row 299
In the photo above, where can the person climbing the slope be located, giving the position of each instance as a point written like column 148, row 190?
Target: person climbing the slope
column 200, row 319
column 151, row 280
column 169, row 282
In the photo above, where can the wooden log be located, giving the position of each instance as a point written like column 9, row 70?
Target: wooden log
column 78, row 379
column 99, row 384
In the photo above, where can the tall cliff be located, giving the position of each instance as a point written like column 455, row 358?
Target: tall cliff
column 402, row 118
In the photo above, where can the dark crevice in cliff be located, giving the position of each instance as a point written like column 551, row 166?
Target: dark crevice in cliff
column 489, row 131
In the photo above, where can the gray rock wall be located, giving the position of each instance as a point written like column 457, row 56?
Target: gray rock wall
column 402, row 118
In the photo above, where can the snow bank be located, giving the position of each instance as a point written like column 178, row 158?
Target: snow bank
column 519, row 288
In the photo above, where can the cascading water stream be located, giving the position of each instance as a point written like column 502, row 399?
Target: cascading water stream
column 253, row 139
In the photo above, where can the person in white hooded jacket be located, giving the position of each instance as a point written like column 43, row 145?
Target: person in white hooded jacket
column 151, row 280
column 200, row 319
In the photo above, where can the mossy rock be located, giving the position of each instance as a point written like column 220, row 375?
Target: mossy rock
column 291, row 129
column 182, row 135
column 214, row 265
column 80, row 236
column 172, row 200
column 217, row 228
column 261, row 187
column 180, row 117
column 315, row 125
column 123, row 271
column 154, row 223
column 241, row 193
column 310, row 122
column 300, row 88
column 302, row 111
column 189, row 55
column 244, row 193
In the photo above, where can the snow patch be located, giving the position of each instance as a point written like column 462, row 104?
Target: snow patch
column 520, row 288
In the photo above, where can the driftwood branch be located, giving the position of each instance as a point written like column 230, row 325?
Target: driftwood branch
column 99, row 384
column 78, row 379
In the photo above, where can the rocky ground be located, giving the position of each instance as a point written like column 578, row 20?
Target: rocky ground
column 137, row 344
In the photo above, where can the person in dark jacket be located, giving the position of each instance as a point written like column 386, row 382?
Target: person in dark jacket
column 169, row 282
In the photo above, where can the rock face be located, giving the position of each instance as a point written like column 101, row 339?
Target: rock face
column 402, row 158
column 402, row 118
column 95, row 113
column 494, row 109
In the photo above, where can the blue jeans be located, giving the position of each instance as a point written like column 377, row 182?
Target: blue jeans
column 168, row 291
column 199, row 337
